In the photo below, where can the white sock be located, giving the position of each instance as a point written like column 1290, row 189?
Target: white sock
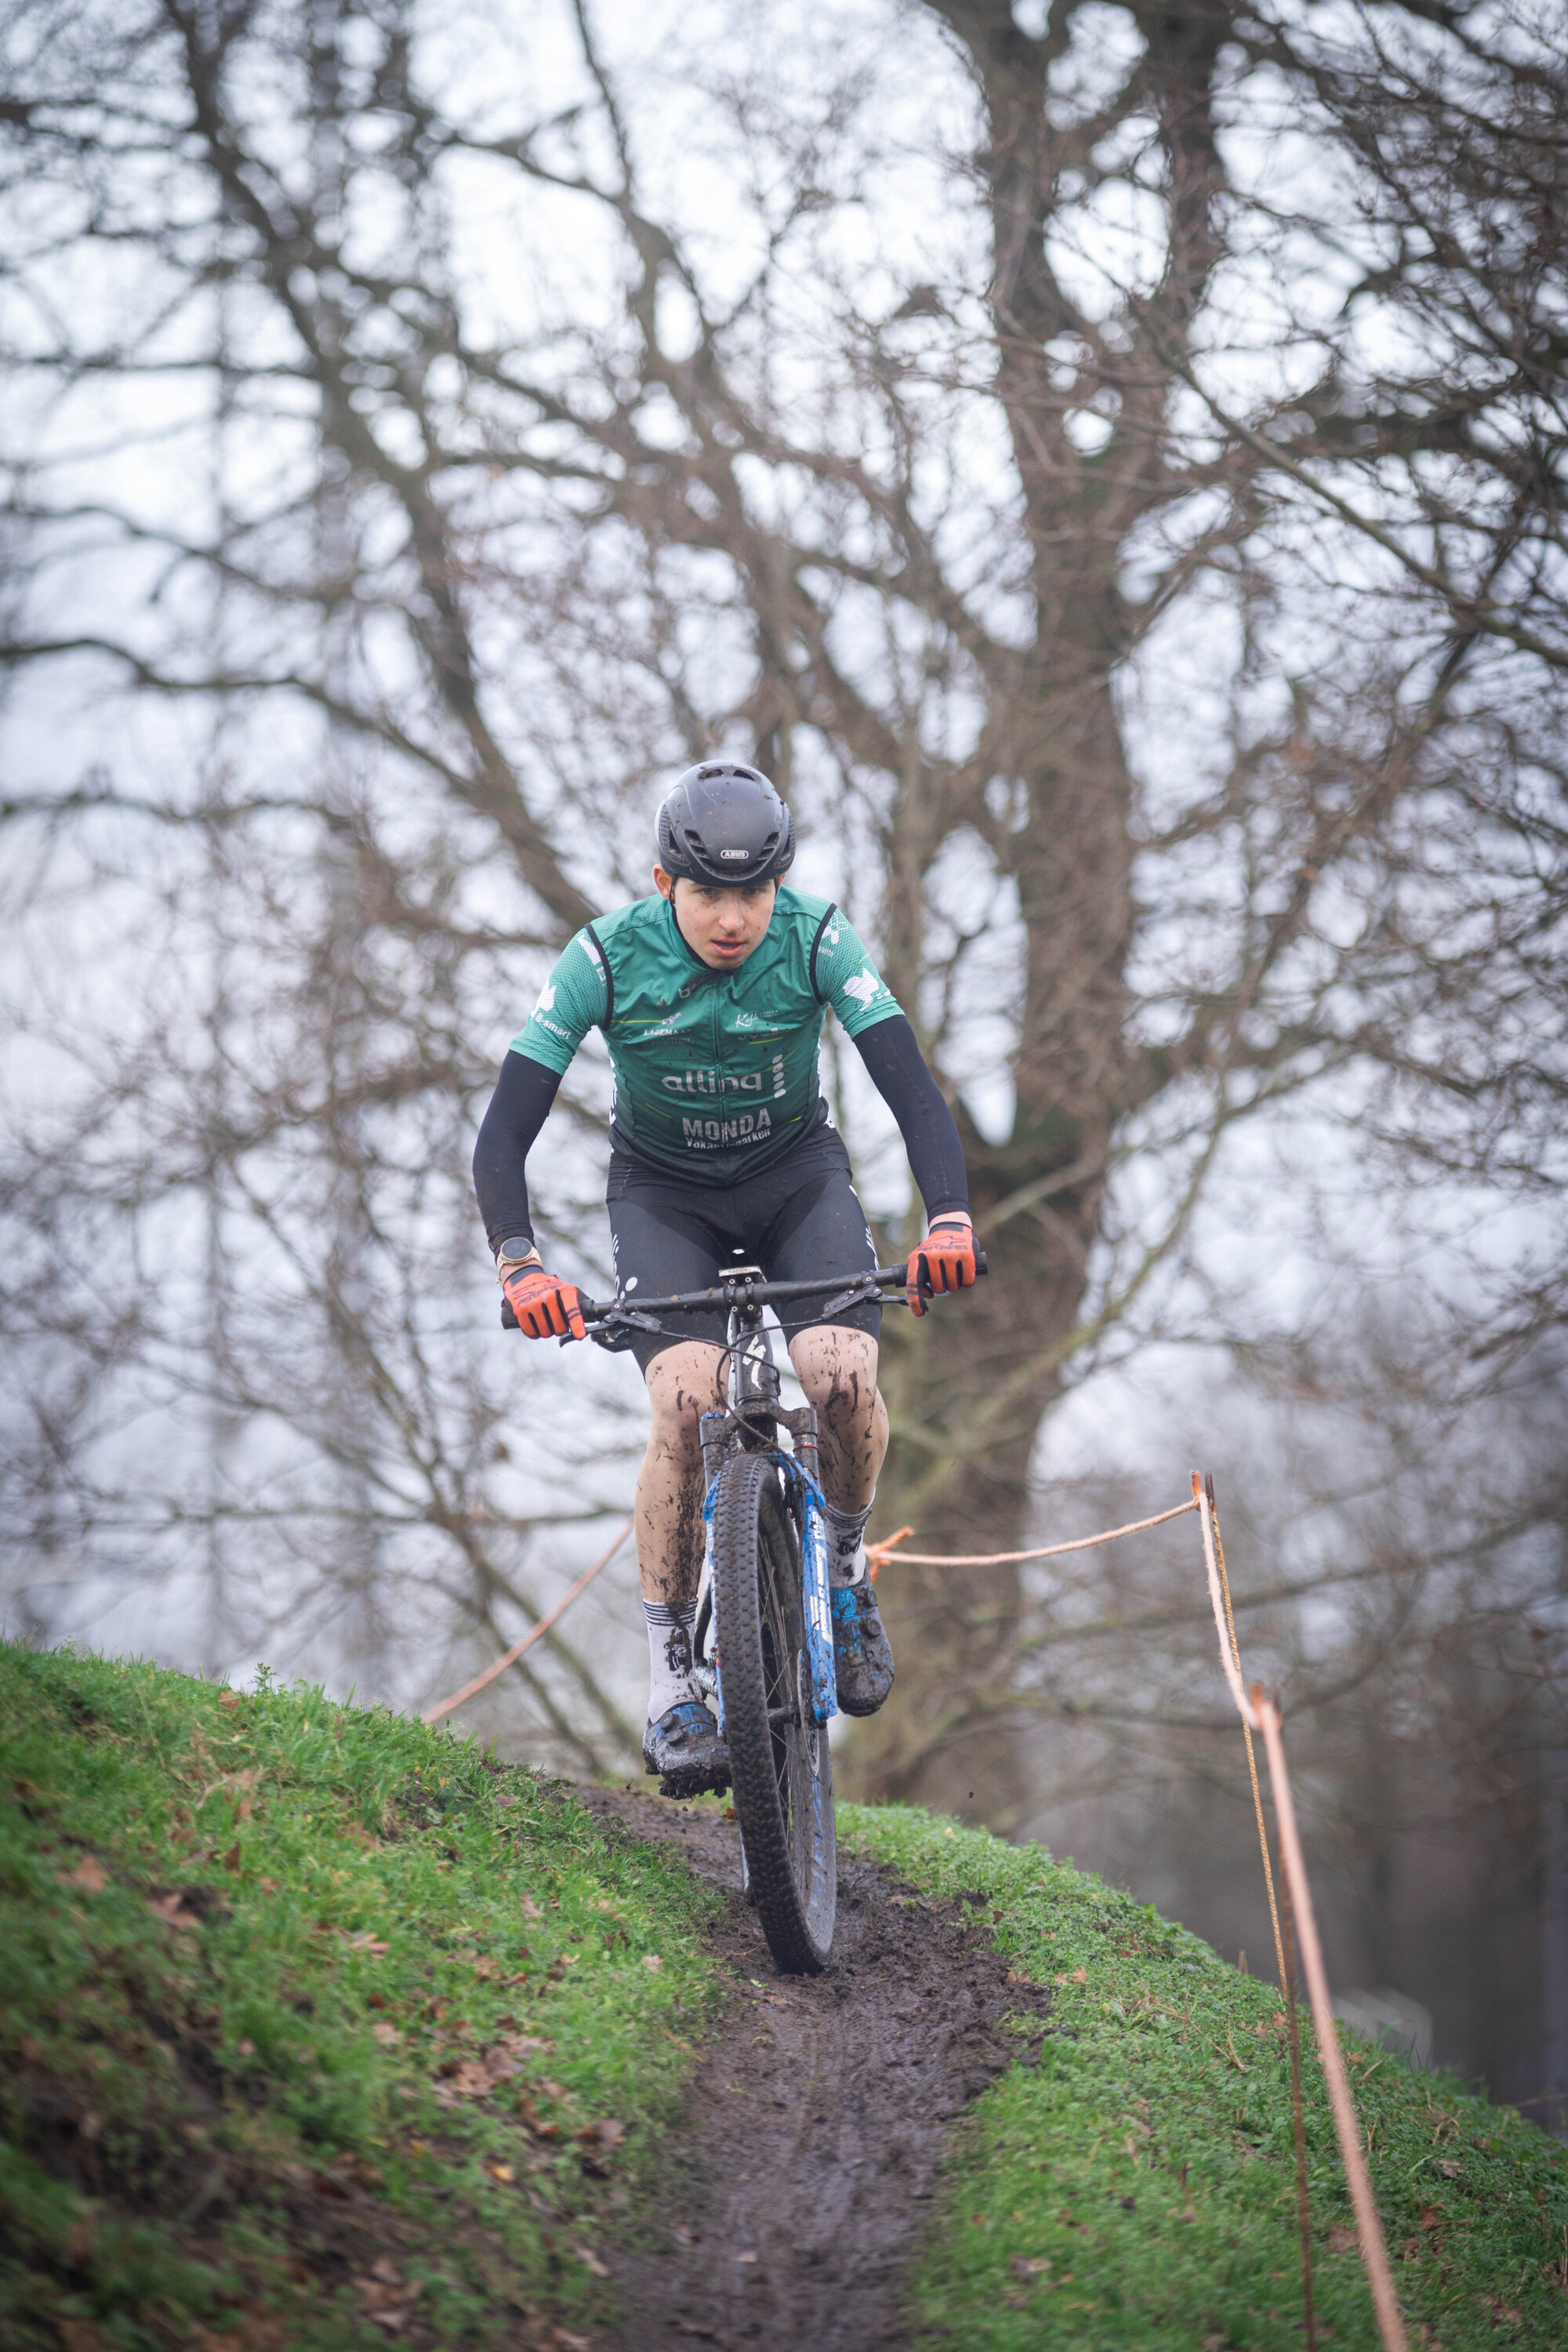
column 669, row 1631
column 845, row 1544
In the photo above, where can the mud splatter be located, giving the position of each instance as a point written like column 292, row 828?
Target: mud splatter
column 670, row 1484
column 801, row 2178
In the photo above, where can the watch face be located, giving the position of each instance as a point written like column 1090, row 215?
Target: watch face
column 518, row 1246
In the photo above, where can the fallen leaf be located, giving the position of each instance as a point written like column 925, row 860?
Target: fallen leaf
column 1080, row 1975
column 652, row 1963
column 502, row 2172
column 531, row 1909
column 90, row 1876
column 231, row 1859
column 607, row 2133
column 590, row 2261
column 1027, row 2266
column 171, row 1909
column 229, row 1701
column 470, row 2080
column 1430, row 2217
column 387, row 2036
column 384, row 2297
column 267, row 1885
column 502, row 1798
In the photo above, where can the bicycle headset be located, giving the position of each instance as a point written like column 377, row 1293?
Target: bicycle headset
column 723, row 822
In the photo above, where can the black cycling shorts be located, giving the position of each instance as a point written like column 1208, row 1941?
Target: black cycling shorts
column 800, row 1217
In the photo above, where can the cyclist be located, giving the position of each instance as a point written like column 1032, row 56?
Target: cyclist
column 710, row 996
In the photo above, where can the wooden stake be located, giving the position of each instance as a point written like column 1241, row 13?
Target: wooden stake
column 1299, row 2123
column 1369, row 2224
column 1246, row 1726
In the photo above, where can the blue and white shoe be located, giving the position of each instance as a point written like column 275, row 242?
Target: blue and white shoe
column 684, row 1749
column 862, row 1654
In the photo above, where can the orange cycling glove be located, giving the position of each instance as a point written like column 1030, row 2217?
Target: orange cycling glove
column 544, row 1306
column 944, row 1261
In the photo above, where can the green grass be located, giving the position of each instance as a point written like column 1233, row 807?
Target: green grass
column 307, row 2013
column 1136, row 2187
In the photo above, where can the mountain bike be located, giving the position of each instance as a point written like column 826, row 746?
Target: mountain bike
column 764, row 1640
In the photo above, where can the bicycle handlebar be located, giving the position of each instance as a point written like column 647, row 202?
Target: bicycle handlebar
column 741, row 1290
column 745, row 1290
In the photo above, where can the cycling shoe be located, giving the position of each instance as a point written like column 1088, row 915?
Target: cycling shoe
column 684, row 1748
column 862, row 1654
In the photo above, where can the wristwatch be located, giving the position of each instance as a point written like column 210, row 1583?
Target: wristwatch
column 518, row 1250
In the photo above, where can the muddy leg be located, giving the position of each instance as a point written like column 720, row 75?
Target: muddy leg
column 838, row 1369
column 682, row 1385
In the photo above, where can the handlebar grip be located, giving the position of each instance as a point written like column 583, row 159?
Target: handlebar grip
column 979, row 1261
column 508, row 1321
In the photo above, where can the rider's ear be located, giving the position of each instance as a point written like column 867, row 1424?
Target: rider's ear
column 662, row 882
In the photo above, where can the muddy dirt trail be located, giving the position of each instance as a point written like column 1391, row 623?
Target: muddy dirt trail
column 801, row 2174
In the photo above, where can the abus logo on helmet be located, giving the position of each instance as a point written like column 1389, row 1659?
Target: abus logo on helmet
column 735, row 853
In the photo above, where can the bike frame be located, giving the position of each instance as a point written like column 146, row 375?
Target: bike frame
column 749, row 1424
column 763, row 1596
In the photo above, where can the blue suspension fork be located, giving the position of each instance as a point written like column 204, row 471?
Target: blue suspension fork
column 807, row 1496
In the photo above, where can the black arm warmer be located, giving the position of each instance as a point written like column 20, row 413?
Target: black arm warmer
column 899, row 1075
column 518, row 1110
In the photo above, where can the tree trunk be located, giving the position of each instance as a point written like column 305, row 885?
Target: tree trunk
column 967, row 1392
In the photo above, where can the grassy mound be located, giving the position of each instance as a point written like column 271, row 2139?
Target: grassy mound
column 1134, row 2186
column 320, row 2030
column 316, row 2028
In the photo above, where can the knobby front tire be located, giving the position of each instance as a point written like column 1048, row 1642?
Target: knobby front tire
column 781, row 1769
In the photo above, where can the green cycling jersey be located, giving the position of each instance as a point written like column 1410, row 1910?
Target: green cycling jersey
column 715, row 1071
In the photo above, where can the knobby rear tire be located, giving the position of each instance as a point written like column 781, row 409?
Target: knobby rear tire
column 781, row 1771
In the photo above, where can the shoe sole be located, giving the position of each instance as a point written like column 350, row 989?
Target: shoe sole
column 697, row 1780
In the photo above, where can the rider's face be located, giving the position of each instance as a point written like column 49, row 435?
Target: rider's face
column 721, row 925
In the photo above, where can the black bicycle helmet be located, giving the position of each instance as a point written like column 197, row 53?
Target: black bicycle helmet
column 723, row 821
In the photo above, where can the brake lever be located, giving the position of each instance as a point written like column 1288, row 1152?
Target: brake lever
column 619, row 1319
column 864, row 1294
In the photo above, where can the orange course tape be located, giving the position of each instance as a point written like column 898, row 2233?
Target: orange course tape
column 534, row 1634
column 879, row 1554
